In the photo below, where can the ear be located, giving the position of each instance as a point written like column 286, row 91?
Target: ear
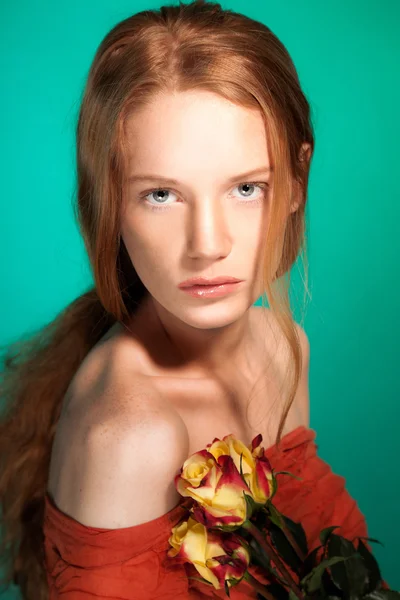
column 304, row 155
column 305, row 152
column 294, row 206
column 297, row 194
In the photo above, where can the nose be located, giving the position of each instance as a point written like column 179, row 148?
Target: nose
column 208, row 232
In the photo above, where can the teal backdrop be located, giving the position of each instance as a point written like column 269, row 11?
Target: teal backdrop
column 347, row 56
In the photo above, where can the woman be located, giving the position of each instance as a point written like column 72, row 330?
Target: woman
column 194, row 144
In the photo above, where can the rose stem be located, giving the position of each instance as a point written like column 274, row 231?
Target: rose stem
column 259, row 587
column 293, row 542
column 272, row 554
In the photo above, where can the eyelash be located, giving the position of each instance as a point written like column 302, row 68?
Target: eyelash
column 261, row 184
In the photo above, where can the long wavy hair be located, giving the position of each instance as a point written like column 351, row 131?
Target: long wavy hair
column 176, row 48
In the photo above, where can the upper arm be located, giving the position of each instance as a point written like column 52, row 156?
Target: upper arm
column 127, row 463
column 302, row 397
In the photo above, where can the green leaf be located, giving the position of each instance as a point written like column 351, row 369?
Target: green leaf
column 312, row 581
column 297, row 531
column 292, row 595
column 374, row 574
column 383, row 595
column 358, row 576
column 310, row 562
column 259, row 558
column 325, row 534
column 371, row 540
column 275, row 516
column 288, row 473
column 284, row 548
column 227, row 589
column 201, row 579
column 329, row 587
column 250, row 505
column 277, row 591
column 351, row 577
column 261, row 519
column 275, row 487
column 226, row 528
column 294, row 528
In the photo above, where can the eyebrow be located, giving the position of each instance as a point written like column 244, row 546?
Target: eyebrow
column 169, row 181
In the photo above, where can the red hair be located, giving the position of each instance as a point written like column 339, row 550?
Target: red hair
column 176, row 48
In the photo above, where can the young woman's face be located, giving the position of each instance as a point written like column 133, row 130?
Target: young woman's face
column 211, row 220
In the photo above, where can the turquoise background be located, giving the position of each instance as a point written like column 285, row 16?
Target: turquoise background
column 347, row 56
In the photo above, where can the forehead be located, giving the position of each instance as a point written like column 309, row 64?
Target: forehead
column 196, row 129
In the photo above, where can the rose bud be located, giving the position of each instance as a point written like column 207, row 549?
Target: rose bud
column 261, row 480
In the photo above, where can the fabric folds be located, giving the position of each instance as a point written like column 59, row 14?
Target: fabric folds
column 87, row 563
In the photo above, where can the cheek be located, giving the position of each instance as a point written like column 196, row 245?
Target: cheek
column 141, row 238
column 250, row 225
column 152, row 256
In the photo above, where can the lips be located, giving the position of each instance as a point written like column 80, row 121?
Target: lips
column 205, row 281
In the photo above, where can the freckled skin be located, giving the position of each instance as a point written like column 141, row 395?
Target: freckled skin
column 184, row 372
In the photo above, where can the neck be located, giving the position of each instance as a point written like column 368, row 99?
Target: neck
column 203, row 346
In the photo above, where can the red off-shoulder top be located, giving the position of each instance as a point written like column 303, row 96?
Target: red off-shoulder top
column 88, row 563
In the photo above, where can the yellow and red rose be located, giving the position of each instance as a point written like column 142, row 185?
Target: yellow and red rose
column 217, row 488
column 251, row 462
column 219, row 557
column 217, row 478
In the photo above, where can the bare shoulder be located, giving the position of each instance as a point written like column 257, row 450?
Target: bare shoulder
column 279, row 348
column 265, row 317
column 117, row 443
column 302, row 397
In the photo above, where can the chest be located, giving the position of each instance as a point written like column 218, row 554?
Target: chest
column 233, row 404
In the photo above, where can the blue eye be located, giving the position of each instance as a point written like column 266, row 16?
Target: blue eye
column 263, row 186
column 157, row 190
column 253, row 185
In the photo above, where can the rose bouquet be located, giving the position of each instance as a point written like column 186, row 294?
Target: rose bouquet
column 233, row 531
